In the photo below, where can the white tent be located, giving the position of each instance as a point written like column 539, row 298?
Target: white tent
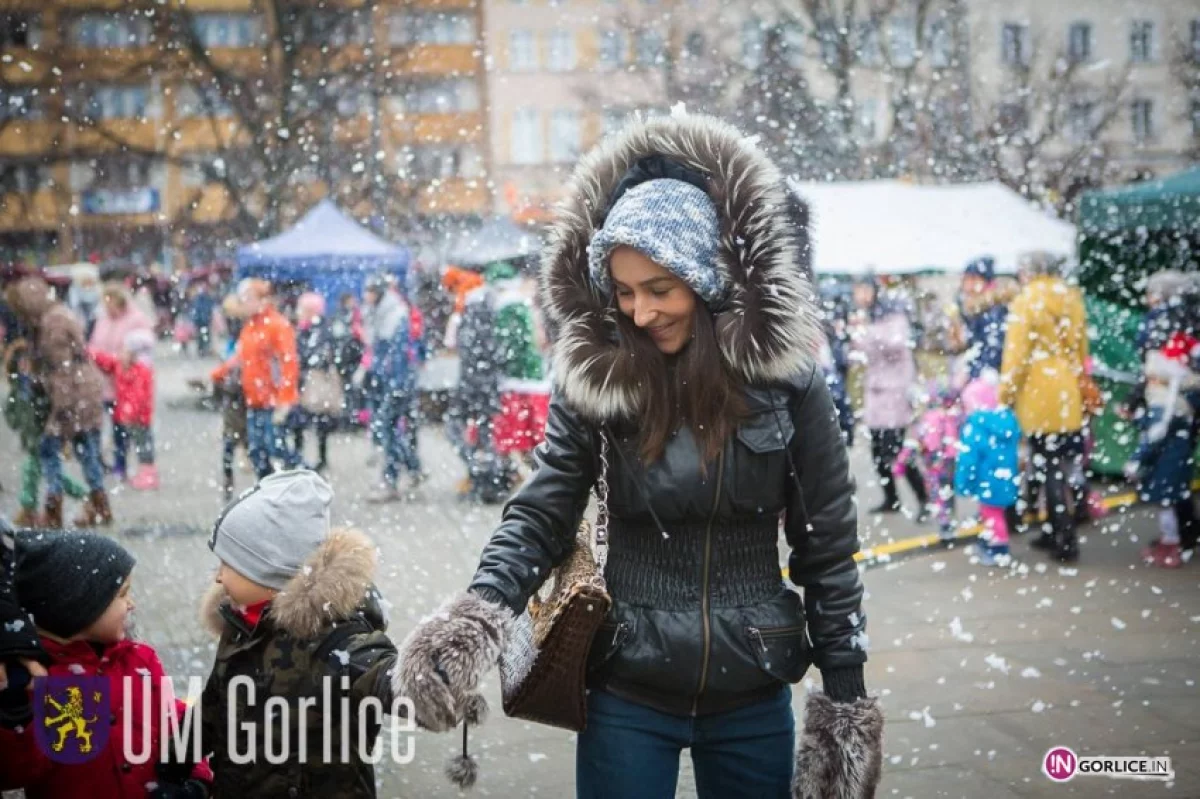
column 891, row 227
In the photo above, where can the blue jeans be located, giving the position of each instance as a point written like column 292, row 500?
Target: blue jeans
column 263, row 442
column 630, row 751
column 394, row 424
column 87, row 452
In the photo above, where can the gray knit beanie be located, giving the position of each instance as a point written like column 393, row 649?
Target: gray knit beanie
column 671, row 222
column 268, row 532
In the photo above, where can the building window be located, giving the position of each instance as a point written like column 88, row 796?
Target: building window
column 118, row 102
column 432, row 27
column 793, row 44
column 1142, row 112
column 562, row 50
column 110, row 30
column 522, row 51
column 226, row 30
column 868, row 113
column 527, row 136
column 1196, row 119
column 193, row 101
column 613, row 120
column 20, row 103
column 19, row 29
column 121, row 172
column 1195, row 39
column 902, row 41
column 612, row 48
column 334, row 28
column 829, row 40
column 1141, row 41
column 564, row 135
column 649, row 48
column 1080, row 114
column 352, row 103
column 23, row 178
column 1079, row 42
column 753, row 40
column 1014, row 44
column 444, row 97
column 941, row 44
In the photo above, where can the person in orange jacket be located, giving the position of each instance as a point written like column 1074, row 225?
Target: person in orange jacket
column 266, row 353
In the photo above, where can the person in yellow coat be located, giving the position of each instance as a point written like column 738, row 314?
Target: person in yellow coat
column 1045, row 347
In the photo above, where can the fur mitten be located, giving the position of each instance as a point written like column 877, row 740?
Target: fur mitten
column 841, row 749
column 443, row 659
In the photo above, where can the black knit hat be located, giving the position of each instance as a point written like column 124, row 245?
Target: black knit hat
column 66, row 580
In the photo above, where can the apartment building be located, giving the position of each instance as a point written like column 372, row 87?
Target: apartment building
column 145, row 132
column 563, row 71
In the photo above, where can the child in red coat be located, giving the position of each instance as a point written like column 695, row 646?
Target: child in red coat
column 133, row 376
column 76, row 586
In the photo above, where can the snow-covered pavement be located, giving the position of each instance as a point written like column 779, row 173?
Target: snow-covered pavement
column 980, row 672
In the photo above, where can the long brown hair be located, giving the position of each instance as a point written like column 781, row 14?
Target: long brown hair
column 695, row 387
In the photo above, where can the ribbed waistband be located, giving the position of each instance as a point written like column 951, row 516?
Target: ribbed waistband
column 650, row 569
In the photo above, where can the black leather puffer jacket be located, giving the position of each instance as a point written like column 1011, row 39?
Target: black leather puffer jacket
column 703, row 620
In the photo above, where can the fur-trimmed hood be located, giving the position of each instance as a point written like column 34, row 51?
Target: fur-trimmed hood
column 768, row 328
column 336, row 582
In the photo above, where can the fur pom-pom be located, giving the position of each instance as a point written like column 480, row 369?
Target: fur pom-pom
column 841, row 749
column 462, row 770
column 475, row 710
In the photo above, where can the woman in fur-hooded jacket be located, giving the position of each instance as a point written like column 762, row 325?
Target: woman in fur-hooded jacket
column 685, row 351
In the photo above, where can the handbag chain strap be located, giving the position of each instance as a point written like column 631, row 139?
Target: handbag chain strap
column 601, row 529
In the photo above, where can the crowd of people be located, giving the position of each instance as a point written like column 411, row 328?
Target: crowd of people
column 1008, row 422
column 686, row 398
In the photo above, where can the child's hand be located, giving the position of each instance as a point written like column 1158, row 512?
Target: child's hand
column 1131, row 469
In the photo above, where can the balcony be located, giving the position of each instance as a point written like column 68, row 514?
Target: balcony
column 107, row 63
column 465, row 126
column 26, row 66
column 203, row 135
column 438, row 59
column 454, row 196
column 44, row 209
column 111, row 134
column 25, row 137
column 203, row 205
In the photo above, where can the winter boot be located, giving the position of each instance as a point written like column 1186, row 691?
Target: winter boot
column 52, row 518
column 1047, row 542
column 891, row 500
column 96, row 512
column 146, row 478
column 1067, row 549
column 916, row 481
column 991, row 555
column 26, row 517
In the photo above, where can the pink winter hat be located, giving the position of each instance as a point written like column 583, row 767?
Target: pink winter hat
column 312, row 302
column 980, row 394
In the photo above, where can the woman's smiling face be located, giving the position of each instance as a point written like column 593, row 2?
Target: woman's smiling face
column 657, row 301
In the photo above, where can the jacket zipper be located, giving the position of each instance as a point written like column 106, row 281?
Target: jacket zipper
column 707, row 625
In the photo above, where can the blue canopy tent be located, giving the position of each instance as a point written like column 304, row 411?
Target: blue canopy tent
column 325, row 249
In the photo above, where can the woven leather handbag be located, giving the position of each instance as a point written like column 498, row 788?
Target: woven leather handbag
column 544, row 666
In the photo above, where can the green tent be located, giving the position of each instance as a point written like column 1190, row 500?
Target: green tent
column 1129, row 232
column 1126, row 234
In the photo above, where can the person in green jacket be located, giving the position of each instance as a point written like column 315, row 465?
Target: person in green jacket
column 25, row 411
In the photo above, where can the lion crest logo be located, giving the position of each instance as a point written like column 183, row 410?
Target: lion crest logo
column 71, row 717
